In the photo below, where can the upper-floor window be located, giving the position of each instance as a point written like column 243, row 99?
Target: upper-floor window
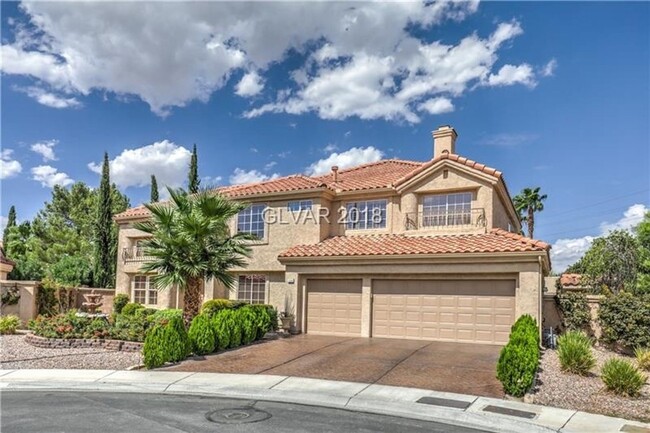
column 370, row 214
column 299, row 205
column 251, row 289
column 144, row 291
column 251, row 220
column 447, row 209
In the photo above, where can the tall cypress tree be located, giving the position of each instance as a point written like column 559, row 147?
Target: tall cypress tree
column 193, row 184
column 105, row 262
column 154, row 189
column 11, row 222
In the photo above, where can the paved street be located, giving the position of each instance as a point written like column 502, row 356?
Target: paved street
column 452, row 367
column 28, row 412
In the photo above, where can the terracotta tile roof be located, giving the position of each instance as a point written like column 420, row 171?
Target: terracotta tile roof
column 376, row 175
column 380, row 174
column 569, row 280
column 296, row 182
column 452, row 157
column 496, row 241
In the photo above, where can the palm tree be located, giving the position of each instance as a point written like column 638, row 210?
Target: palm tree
column 191, row 242
column 530, row 201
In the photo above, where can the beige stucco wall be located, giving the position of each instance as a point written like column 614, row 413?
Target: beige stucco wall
column 26, row 308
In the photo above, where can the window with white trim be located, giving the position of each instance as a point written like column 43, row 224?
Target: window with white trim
column 143, row 290
column 447, row 209
column 251, row 220
column 252, row 289
column 299, row 205
column 370, row 214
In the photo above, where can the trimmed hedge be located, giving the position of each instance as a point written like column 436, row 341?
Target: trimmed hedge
column 166, row 342
column 519, row 358
column 213, row 306
column 625, row 319
column 132, row 308
column 202, row 335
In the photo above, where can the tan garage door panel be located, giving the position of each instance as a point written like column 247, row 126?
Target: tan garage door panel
column 334, row 307
column 460, row 310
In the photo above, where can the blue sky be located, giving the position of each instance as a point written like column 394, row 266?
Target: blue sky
column 553, row 94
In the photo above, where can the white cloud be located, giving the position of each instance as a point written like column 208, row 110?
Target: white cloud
column 270, row 165
column 241, row 176
column 359, row 59
column 549, row 69
column 3, row 223
column 437, row 106
column 349, row 158
column 45, row 149
column 250, row 85
column 508, row 139
column 49, row 176
column 511, row 74
column 8, row 167
column 331, row 147
column 49, row 99
column 166, row 160
column 567, row 251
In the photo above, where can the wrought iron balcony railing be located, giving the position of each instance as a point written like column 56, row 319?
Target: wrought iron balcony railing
column 134, row 254
column 432, row 220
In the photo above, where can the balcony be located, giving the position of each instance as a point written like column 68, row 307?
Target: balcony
column 135, row 254
column 445, row 221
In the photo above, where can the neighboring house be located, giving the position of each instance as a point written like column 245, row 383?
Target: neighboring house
column 6, row 265
column 422, row 250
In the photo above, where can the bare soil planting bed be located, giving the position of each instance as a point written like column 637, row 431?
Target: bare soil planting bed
column 588, row 393
column 16, row 353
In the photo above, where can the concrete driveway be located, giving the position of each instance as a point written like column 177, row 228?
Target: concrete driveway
column 440, row 366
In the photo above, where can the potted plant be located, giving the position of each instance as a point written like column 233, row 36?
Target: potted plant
column 286, row 319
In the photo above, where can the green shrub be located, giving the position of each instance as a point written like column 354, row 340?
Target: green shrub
column 69, row 325
column 166, row 315
column 273, row 318
column 222, row 331
column 516, row 368
column 119, row 302
column 519, row 358
column 227, row 322
column 166, row 342
column 213, row 306
column 132, row 308
column 247, row 319
column 9, row 324
column 622, row 377
column 202, row 335
column 625, row 319
column 574, row 309
column 643, row 358
column 129, row 328
column 263, row 320
column 574, row 351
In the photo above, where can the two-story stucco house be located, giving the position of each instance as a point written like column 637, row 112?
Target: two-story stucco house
column 398, row 249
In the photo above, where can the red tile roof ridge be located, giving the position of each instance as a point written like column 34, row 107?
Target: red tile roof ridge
column 517, row 236
column 452, row 157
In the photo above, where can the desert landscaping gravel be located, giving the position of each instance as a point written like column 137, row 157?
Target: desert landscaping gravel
column 588, row 394
column 15, row 353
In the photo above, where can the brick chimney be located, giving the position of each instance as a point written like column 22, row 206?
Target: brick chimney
column 444, row 140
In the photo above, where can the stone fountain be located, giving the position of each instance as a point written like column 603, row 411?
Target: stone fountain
column 92, row 302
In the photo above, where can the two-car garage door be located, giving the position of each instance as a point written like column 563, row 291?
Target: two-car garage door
column 449, row 310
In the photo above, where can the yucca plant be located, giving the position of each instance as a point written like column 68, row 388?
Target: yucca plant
column 643, row 358
column 574, row 351
column 622, row 377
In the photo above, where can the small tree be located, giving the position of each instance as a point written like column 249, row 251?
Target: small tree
column 529, row 201
column 11, row 222
column 611, row 262
column 193, row 176
column 191, row 242
column 154, row 189
column 104, row 258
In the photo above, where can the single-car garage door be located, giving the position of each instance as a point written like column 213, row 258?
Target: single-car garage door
column 334, row 307
column 479, row 311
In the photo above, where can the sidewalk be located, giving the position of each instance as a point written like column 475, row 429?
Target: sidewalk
column 457, row 409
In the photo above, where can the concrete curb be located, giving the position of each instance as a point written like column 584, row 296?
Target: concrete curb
column 352, row 396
